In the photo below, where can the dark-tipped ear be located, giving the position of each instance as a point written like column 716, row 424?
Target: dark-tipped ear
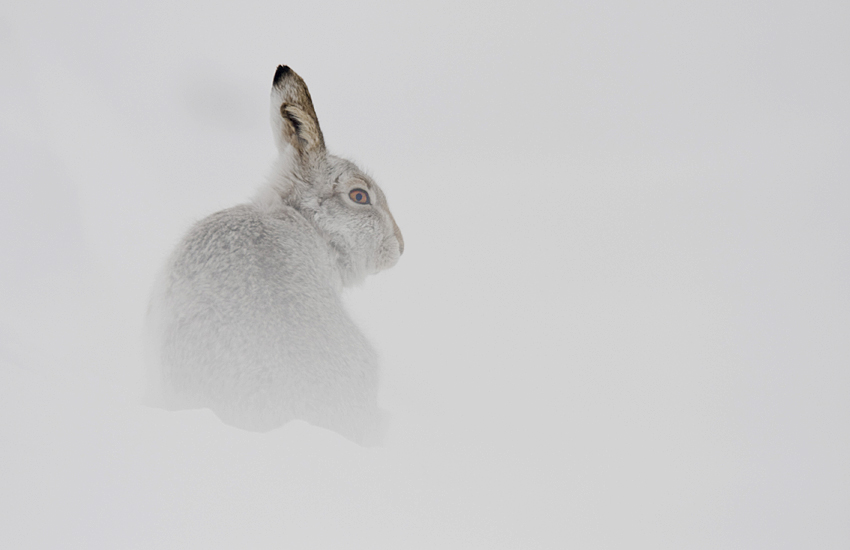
column 293, row 118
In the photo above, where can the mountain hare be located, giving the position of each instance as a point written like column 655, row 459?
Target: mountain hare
column 247, row 317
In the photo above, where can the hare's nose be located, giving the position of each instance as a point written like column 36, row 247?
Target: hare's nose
column 400, row 241
column 398, row 236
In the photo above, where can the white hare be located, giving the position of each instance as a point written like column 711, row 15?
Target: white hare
column 247, row 317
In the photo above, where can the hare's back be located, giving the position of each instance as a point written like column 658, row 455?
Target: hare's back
column 252, row 285
column 251, row 309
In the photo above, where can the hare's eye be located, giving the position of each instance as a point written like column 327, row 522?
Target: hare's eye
column 359, row 196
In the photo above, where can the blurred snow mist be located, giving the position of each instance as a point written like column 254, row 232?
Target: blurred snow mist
column 622, row 315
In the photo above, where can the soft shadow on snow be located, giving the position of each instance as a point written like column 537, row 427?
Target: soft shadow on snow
column 82, row 471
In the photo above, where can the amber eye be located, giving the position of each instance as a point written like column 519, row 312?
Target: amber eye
column 359, row 196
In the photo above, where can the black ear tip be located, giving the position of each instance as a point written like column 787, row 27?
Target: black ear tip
column 282, row 71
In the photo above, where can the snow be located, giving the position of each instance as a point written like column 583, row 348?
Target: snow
column 620, row 320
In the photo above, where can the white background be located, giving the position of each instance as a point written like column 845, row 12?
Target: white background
column 622, row 315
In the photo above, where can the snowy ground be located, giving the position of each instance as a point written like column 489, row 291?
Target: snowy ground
column 622, row 315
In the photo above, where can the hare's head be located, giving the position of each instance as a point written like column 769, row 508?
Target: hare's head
column 346, row 206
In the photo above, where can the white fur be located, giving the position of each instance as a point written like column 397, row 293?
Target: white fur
column 247, row 318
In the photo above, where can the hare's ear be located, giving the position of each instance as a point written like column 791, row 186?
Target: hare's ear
column 293, row 118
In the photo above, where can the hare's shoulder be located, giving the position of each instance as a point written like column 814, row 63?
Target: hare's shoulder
column 244, row 238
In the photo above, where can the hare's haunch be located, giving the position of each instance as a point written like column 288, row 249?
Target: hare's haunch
column 247, row 318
